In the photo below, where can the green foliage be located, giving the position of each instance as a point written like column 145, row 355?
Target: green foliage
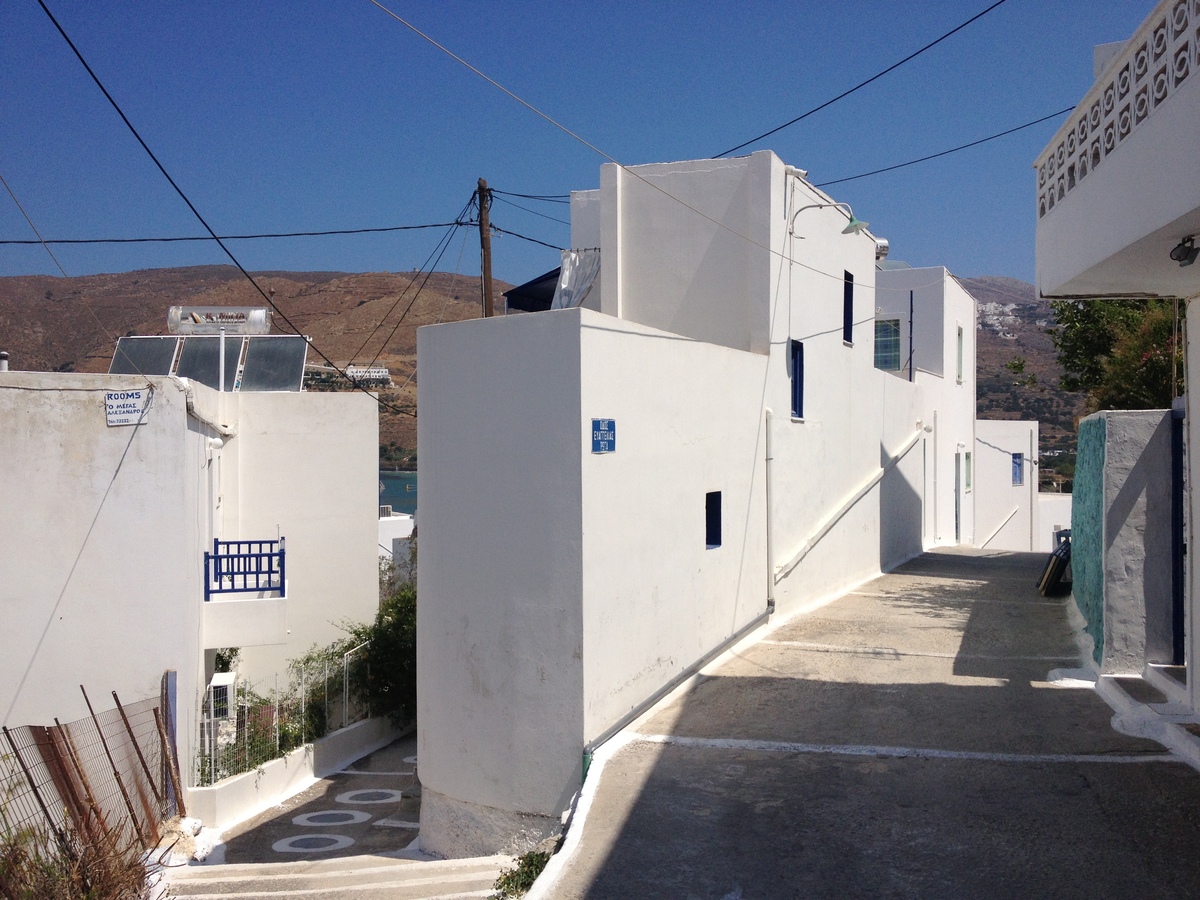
column 227, row 659
column 1016, row 366
column 388, row 682
column 516, row 882
column 1124, row 353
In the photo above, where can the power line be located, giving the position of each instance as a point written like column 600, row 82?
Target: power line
column 532, row 212
column 178, row 190
column 500, row 230
column 549, row 198
column 913, row 162
column 236, row 237
column 862, row 84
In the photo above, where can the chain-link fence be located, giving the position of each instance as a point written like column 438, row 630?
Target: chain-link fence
column 245, row 724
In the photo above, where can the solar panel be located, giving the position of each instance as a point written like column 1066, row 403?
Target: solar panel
column 143, row 356
column 200, row 360
column 274, row 363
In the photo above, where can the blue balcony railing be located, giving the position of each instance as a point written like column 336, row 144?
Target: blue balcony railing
column 240, row 567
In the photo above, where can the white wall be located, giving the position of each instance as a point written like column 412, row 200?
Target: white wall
column 941, row 306
column 306, row 466
column 689, row 421
column 99, row 546
column 1006, row 515
column 1054, row 514
column 499, row 643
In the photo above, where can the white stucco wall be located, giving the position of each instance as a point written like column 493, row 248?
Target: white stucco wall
column 688, row 421
column 306, row 466
column 1006, row 515
column 1054, row 514
column 500, row 668
column 940, row 308
column 98, row 547
column 1112, row 233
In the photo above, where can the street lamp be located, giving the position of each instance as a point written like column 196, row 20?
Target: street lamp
column 854, row 226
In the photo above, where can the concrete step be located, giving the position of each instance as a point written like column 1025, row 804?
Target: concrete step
column 351, row 878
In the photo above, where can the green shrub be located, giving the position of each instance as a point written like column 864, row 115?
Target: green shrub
column 516, row 882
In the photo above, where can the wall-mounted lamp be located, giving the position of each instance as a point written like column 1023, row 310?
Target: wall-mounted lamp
column 854, row 226
column 1185, row 252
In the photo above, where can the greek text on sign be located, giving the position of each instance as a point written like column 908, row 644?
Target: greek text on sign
column 604, row 435
column 126, row 407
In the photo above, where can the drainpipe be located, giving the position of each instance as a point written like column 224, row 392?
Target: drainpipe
column 768, row 415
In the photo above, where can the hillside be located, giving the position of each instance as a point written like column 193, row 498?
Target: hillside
column 72, row 324
column 1013, row 324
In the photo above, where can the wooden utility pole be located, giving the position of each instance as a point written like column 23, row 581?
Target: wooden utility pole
column 485, row 248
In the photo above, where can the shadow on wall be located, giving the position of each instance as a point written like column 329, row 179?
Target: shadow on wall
column 900, row 513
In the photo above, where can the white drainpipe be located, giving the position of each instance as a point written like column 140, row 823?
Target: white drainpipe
column 767, row 479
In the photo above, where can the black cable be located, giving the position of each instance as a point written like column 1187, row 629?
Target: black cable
column 428, row 275
column 236, row 237
column 442, row 242
column 500, row 230
column 196, row 212
column 913, row 162
column 532, row 212
column 549, row 198
column 862, row 84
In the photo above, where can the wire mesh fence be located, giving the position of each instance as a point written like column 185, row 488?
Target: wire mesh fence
column 100, row 776
column 245, row 724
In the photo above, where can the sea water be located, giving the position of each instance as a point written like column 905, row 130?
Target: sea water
column 399, row 491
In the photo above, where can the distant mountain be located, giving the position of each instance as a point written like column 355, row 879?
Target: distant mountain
column 72, row 324
column 1013, row 324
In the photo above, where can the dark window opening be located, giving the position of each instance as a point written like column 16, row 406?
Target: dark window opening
column 797, row 380
column 848, row 309
column 712, row 519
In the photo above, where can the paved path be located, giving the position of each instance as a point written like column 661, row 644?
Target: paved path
column 901, row 742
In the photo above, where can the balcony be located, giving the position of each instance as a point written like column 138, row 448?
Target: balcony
column 1116, row 187
column 245, row 594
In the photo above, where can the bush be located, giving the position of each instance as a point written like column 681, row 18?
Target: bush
column 517, row 882
column 101, row 867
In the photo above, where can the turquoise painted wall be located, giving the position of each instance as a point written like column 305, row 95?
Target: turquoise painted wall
column 1087, row 528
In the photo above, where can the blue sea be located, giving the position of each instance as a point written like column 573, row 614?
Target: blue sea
column 399, row 491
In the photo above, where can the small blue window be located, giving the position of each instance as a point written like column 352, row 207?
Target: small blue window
column 797, row 380
column 1018, row 468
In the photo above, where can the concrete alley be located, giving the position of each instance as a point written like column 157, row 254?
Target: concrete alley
column 906, row 740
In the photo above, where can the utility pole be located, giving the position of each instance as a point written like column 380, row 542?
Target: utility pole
column 485, row 248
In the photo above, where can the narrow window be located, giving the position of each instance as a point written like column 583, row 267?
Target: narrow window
column 712, row 519
column 797, row 380
column 967, row 472
column 960, row 354
column 887, row 344
column 1018, row 466
column 848, row 309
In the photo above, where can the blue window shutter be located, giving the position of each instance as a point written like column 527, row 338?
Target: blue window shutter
column 848, row 309
column 797, row 380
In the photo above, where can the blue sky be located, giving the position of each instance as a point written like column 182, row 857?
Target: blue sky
column 296, row 116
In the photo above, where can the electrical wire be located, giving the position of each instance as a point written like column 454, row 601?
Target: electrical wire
column 625, row 169
column 861, row 84
column 549, row 198
column 178, row 190
column 235, row 237
column 532, row 212
column 913, row 162
column 499, row 230
column 445, row 238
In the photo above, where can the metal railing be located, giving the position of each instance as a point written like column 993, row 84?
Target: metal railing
column 238, row 567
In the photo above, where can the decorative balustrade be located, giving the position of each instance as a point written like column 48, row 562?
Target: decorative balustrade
column 238, row 567
column 1162, row 54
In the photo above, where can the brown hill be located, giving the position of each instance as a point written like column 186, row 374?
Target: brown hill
column 1013, row 324
column 72, row 324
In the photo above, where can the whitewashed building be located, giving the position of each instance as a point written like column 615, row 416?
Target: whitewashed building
column 115, row 487
column 1118, row 215
column 613, row 491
